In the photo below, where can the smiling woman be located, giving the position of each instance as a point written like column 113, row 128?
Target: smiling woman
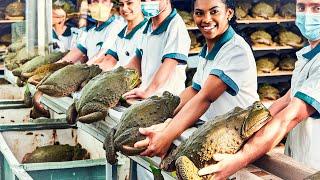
column 99, row 38
column 213, row 19
column 128, row 38
column 225, row 77
column 298, row 111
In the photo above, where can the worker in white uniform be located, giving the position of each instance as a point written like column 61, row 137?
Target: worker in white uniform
column 296, row 113
column 63, row 35
column 129, row 37
column 98, row 38
column 226, row 77
column 162, row 54
column 63, row 39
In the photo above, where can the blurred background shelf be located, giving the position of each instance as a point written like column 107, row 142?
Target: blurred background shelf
column 194, row 52
column 10, row 21
column 272, row 48
column 257, row 48
column 265, row 21
column 276, row 73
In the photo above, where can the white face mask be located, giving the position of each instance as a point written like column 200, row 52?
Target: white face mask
column 309, row 25
column 151, row 9
column 100, row 11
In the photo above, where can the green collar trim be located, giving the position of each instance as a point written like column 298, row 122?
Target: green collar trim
column 66, row 33
column 99, row 44
column 54, row 34
column 134, row 30
column 311, row 54
column 105, row 24
column 227, row 36
column 163, row 26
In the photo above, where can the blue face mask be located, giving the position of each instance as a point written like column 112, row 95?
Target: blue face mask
column 151, row 8
column 309, row 25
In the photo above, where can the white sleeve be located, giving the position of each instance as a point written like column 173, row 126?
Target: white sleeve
column 196, row 83
column 178, row 43
column 81, row 41
column 196, row 80
column 234, row 68
column 309, row 92
column 114, row 50
column 113, row 34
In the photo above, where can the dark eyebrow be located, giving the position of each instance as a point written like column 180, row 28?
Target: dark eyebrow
column 315, row 4
column 215, row 7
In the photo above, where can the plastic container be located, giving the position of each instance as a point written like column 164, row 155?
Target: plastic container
column 18, row 119
column 12, row 115
column 11, row 92
column 15, row 144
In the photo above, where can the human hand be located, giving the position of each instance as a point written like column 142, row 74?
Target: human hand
column 99, row 60
column 157, row 127
column 91, row 61
column 227, row 165
column 60, row 61
column 157, row 143
column 136, row 93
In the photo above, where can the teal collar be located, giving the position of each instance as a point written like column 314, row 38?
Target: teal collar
column 311, row 54
column 105, row 24
column 163, row 26
column 54, row 34
column 66, row 33
column 134, row 30
column 99, row 44
column 227, row 36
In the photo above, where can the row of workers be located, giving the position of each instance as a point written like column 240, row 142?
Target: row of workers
column 225, row 78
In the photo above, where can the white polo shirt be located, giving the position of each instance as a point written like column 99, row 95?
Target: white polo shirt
column 303, row 141
column 169, row 40
column 125, row 46
column 79, row 35
column 68, row 39
column 102, row 37
column 231, row 60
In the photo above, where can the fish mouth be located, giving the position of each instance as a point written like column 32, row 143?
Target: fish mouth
column 246, row 131
column 136, row 82
column 132, row 151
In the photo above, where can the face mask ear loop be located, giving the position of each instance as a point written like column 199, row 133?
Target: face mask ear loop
column 164, row 7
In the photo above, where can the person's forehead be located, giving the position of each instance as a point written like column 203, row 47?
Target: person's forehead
column 100, row 0
column 126, row 1
column 149, row 0
column 308, row 1
column 208, row 4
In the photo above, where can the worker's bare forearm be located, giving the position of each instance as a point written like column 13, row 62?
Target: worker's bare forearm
column 273, row 132
column 73, row 56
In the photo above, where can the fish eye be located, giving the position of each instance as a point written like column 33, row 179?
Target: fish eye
column 258, row 106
